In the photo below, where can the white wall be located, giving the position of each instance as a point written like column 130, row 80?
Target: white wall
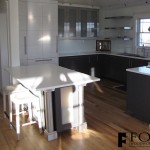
column 118, row 45
column 69, row 46
column 4, row 77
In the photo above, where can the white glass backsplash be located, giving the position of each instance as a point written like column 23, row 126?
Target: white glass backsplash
column 73, row 46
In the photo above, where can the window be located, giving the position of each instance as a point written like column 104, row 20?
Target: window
column 143, row 32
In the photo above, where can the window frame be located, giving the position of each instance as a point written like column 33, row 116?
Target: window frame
column 138, row 27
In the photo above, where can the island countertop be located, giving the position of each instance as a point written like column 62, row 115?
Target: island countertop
column 144, row 70
column 48, row 76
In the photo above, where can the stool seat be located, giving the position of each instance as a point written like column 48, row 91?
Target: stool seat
column 14, row 88
column 23, row 97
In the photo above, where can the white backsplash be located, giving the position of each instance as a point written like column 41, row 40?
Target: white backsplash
column 118, row 46
column 76, row 45
column 142, row 53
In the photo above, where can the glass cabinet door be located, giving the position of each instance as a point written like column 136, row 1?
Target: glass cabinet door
column 61, row 21
column 78, row 22
column 94, row 24
column 84, row 24
column 72, row 22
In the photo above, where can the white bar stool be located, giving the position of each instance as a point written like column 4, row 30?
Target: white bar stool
column 19, row 95
column 8, row 90
column 24, row 98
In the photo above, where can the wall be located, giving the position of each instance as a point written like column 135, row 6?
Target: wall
column 4, row 77
column 118, row 45
column 80, row 45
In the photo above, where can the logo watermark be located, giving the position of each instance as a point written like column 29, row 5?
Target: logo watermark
column 134, row 139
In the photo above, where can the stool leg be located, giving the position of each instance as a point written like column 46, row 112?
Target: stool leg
column 17, row 122
column 30, row 111
column 39, row 117
column 22, row 108
column 4, row 104
column 10, row 110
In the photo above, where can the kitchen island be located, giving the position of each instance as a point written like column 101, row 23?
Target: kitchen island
column 61, row 94
column 138, row 92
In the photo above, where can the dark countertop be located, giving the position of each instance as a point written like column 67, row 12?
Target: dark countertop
column 107, row 53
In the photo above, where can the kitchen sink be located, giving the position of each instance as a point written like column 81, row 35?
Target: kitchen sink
column 130, row 54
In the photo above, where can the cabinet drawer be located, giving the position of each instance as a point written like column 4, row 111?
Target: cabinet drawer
column 53, row 60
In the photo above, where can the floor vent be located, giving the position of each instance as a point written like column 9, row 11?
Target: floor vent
column 120, row 87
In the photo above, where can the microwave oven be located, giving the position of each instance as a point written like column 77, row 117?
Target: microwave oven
column 103, row 45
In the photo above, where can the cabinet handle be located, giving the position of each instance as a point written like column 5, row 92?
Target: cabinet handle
column 131, row 63
column 89, row 59
column 25, row 45
column 43, row 60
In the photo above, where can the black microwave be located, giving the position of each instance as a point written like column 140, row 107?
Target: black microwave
column 103, row 45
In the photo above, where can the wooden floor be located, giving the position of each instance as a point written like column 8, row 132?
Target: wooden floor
column 105, row 112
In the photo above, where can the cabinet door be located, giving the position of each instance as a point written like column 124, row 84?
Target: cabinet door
column 34, row 44
column 71, row 62
column 78, row 63
column 81, row 63
column 89, row 22
column 72, row 21
column 30, row 45
column 92, row 24
column 61, row 20
column 95, row 65
column 106, row 67
column 30, row 28
column 38, row 30
column 114, row 67
column 138, row 62
column 22, row 30
column 50, row 29
column 98, row 72
column 83, row 19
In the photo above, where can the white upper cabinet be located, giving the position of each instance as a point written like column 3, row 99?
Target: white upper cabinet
column 50, row 29
column 38, row 26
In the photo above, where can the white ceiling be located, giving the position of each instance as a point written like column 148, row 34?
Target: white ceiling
column 107, row 3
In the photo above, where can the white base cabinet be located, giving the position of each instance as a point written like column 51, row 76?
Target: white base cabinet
column 52, row 60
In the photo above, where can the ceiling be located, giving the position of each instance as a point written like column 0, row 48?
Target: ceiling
column 99, row 3
column 107, row 3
